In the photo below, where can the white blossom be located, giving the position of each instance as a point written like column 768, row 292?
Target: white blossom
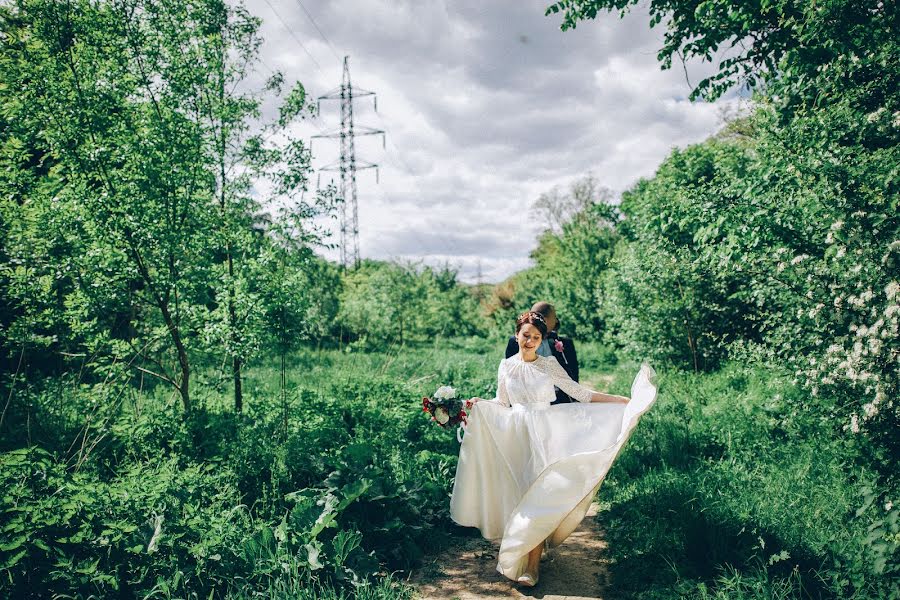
column 870, row 409
column 892, row 289
column 441, row 415
column 875, row 345
column 445, row 392
column 875, row 115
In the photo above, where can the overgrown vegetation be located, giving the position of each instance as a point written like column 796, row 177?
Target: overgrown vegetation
column 731, row 488
column 196, row 405
column 329, row 484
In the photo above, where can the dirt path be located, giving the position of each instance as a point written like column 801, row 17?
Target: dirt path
column 576, row 570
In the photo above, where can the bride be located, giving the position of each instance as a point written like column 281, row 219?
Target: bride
column 527, row 471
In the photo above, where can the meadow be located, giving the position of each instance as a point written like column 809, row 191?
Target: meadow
column 338, row 485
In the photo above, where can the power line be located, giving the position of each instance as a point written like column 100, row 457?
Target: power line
column 296, row 39
column 344, row 168
column 321, row 33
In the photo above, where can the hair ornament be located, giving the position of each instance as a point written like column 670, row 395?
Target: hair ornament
column 534, row 315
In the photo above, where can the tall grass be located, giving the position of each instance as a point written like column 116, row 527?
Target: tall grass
column 726, row 490
column 218, row 504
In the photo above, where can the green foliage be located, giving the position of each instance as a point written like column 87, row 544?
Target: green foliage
column 321, row 490
column 730, row 489
column 763, row 241
column 68, row 531
column 571, row 259
column 395, row 303
column 298, row 296
column 777, row 238
column 790, row 41
column 670, row 294
column 569, row 269
column 121, row 131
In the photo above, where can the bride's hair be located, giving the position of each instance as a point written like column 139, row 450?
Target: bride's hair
column 532, row 318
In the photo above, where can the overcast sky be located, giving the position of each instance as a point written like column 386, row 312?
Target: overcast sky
column 486, row 104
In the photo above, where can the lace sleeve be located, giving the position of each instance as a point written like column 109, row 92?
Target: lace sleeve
column 562, row 380
column 502, row 395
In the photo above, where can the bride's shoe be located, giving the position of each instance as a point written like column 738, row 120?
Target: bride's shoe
column 527, row 579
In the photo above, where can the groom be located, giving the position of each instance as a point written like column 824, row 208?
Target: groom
column 562, row 349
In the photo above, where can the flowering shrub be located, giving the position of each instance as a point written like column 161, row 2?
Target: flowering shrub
column 763, row 240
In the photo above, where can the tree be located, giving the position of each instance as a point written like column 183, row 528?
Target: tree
column 405, row 302
column 122, row 117
column 783, row 236
column 572, row 254
column 554, row 208
column 790, row 41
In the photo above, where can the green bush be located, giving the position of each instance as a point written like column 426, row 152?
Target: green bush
column 73, row 534
column 319, row 488
column 731, row 488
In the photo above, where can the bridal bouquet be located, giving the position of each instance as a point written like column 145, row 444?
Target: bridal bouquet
column 445, row 408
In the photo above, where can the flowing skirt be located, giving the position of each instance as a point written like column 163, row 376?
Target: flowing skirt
column 527, row 474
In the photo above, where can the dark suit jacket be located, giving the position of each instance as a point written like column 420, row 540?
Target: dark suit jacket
column 566, row 358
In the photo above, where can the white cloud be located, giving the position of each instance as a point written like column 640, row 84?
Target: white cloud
column 486, row 105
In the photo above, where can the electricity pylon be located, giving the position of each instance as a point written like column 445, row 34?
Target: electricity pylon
column 347, row 165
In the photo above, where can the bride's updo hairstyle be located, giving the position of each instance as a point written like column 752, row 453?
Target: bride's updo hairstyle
column 532, row 318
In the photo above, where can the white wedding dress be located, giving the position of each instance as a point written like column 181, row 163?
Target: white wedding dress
column 528, row 471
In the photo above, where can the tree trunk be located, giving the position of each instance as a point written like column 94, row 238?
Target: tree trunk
column 238, row 392
column 232, row 312
column 184, row 384
column 235, row 359
column 692, row 344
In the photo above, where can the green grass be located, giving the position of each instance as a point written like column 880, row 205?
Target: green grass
column 237, row 497
column 726, row 490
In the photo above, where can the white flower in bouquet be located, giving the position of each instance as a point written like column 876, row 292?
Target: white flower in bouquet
column 441, row 415
column 445, row 392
